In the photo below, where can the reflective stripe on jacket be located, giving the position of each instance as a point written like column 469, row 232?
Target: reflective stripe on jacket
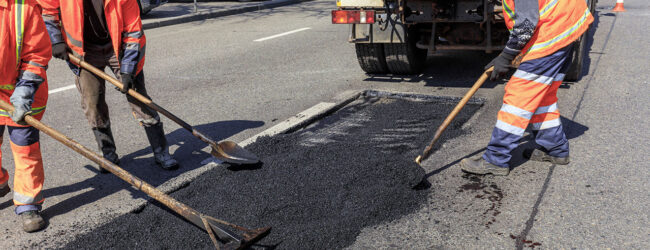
column 25, row 53
column 65, row 19
column 558, row 24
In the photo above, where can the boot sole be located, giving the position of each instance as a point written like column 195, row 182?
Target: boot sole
column 170, row 168
column 37, row 226
column 499, row 172
column 548, row 158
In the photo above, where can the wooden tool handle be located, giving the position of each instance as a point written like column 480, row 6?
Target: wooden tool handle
column 136, row 95
column 454, row 113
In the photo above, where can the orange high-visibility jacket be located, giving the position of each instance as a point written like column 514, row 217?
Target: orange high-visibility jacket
column 541, row 28
column 65, row 19
column 25, row 53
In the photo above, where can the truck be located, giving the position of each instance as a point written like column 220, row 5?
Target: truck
column 396, row 36
column 148, row 5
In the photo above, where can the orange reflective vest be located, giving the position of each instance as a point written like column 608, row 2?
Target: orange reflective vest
column 65, row 19
column 561, row 22
column 26, row 51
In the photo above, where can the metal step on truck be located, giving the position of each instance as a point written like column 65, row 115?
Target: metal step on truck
column 396, row 36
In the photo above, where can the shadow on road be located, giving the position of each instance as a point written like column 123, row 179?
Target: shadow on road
column 141, row 165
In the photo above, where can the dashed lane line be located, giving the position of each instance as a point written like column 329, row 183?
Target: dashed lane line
column 281, row 34
column 61, row 89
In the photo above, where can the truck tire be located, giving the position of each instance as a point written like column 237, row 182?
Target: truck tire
column 140, row 6
column 404, row 58
column 575, row 70
column 371, row 57
column 579, row 52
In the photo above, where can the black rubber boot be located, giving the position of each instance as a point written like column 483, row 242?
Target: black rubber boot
column 106, row 144
column 539, row 155
column 158, row 141
column 4, row 191
column 478, row 165
column 32, row 221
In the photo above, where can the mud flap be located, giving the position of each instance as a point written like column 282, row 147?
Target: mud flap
column 383, row 31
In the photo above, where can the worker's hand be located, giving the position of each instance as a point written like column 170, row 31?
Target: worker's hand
column 22, row 99
column 127, row 81
column 60, row 51
column 502, row 64
column 20, row 111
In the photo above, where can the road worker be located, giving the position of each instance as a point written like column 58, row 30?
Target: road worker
column 543, row 32
column 25, row 54
column 106, row 33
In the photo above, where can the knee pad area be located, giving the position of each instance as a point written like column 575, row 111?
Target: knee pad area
column 23, row 136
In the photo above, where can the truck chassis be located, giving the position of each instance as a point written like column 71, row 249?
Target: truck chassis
column 405, row 32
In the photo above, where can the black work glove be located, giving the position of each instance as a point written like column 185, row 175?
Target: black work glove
column 60, row 51
column 502, row 64
column 127, row 82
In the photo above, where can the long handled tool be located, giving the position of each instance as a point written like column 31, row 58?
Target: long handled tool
column 227, row 151
column 453, row 114
column 213, row 226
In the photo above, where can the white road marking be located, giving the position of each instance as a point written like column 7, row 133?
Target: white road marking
column 61, row 89
column 282, row 34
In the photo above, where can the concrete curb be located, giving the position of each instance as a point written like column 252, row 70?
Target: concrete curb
column 202, row 15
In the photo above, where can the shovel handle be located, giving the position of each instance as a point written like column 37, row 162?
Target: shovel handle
column 141, row 98
column 453, row 114
column 185, row 211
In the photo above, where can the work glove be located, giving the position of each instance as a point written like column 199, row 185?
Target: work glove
column 22, row 102
column 127, row 82
column 60, row 51
column 502, row 64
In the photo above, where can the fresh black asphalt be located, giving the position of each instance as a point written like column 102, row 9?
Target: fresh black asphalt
column 317, row 187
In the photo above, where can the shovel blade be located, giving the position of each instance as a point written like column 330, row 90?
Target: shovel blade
column 231, row 152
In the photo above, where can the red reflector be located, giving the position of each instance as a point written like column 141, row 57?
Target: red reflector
column 352, row 16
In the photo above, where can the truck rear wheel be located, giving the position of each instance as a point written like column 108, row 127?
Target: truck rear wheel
column 371, row 57
column 404, row 58
column 575, row 70
column 579, row 52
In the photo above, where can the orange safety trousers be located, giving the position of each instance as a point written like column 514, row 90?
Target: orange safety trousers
column 28, row 175
column 25, row 53
column 531, row 100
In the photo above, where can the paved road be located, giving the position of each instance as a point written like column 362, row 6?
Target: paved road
column 216, row 75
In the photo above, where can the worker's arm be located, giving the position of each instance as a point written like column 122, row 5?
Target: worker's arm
column 132, row 37
column 34, row 56
column 525, row 15
column 132, row 43
column 52, row 18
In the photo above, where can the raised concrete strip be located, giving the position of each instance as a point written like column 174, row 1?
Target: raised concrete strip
column 206, row 14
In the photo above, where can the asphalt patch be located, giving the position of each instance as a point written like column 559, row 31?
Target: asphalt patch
column 317, row 187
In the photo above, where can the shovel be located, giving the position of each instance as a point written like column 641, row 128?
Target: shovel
column 453, row 114
column 215, row 227
column 227, row 151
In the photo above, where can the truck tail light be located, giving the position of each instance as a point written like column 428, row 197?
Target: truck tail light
column 353, row 16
